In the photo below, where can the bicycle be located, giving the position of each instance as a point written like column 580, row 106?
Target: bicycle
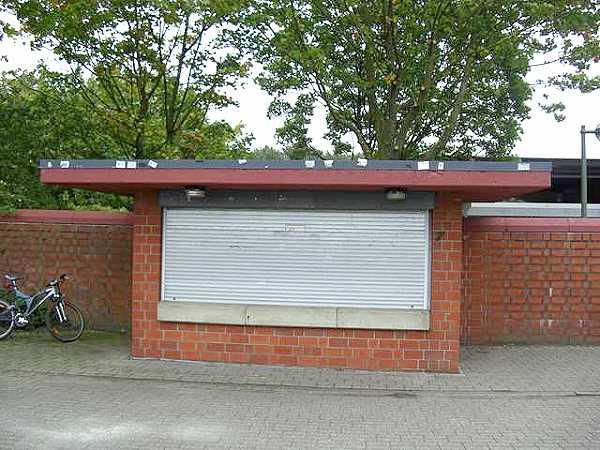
column 64, row 320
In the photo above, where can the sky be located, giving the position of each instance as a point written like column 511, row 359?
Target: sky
column 542, row 136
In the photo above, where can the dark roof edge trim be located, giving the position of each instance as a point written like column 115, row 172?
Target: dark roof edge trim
column 474, row 166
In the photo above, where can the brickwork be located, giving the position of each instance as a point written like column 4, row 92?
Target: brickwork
column 97, row 256
column 531, row 281
column 524, row 281
column 436, row 350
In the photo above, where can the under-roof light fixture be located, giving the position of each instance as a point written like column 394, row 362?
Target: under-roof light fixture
column 395, row 194
column 192, row 193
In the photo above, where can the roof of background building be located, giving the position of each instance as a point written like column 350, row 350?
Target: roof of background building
column 569, row 167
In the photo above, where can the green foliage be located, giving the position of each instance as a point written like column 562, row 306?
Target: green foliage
column 415, row 79
column 409, row 79
column 143, row 77
column 293, row 135
column 215, row 140
column 267, row 153
column 556, row 109
column 150, row 70
column 44, row 116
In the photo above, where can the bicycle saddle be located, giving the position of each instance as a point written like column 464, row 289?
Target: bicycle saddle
column 9, row 277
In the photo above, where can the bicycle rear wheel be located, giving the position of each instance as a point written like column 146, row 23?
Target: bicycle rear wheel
column 7, row 322
column 71, row 327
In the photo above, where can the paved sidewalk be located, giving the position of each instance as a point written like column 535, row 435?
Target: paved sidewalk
column 91, row 395
column 550, row 369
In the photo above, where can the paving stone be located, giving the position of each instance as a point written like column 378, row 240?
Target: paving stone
column 90, row 394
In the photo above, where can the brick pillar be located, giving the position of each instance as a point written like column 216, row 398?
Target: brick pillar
column 474, row 312
column 145, row 286
column 446, row 285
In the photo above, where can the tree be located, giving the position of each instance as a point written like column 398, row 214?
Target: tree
column 267, row 152
column 416, row 78
column 151, row 69
column 44, row 116
column 215, row 140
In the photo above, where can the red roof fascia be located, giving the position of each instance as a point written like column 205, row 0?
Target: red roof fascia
column 478, row 184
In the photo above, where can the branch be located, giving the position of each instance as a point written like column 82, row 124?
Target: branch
column 455, row 113
column 545, row 63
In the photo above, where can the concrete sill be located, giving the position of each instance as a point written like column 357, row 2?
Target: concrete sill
column 293, row 316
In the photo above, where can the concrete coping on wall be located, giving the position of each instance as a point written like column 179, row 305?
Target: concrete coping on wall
column 68, row 217
column 532, row 217
column 527, row 209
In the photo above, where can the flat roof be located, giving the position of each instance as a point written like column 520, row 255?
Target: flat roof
column 569, row 167
column 483, row 180
column 250, row 164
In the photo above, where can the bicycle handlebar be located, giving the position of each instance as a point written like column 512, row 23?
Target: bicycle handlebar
column 62, row 278
column 12, row 281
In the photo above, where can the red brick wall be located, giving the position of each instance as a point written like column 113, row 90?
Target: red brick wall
column 435, row 350
column 531, row 281
column 94, row 248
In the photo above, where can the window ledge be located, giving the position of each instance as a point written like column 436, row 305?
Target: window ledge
column 293, row 316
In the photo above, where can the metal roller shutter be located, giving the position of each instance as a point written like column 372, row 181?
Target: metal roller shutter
column 297, row 257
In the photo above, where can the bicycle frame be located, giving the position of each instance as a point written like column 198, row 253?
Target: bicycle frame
column 33, row 302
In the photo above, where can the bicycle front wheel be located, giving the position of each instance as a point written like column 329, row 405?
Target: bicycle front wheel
column 7, row 322
column 65, row 321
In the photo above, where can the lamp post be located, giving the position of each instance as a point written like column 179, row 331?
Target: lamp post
column 584, row 194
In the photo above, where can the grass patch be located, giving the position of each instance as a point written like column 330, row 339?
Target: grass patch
column 89, row 336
